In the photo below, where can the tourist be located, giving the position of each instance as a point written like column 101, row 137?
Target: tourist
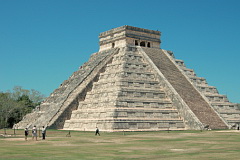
column 34, row 133
column 97, row 131
column 43, row 133
column 26, row 133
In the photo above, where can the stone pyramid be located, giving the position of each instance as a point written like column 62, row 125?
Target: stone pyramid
column 133, row 85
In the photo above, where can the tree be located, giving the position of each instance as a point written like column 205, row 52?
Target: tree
column 7, row 107
column 16, row 104
column 25, row 100
column 34, row 95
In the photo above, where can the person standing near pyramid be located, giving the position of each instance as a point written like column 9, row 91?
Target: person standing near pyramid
column 34, row 133
column 97, row 131
column 26, row 133
column 43, row 133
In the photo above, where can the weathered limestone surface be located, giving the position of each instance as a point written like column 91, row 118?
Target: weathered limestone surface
column 128, row 35
column 58, row 106
column 127, row 96
column 133, row 85
column 190, row 119
column 192, row 97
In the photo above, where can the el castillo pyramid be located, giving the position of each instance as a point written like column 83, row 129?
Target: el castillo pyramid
column 133, row 85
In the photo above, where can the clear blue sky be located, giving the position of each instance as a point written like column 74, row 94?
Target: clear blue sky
column 42, row 42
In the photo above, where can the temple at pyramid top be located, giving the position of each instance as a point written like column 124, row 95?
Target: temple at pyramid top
column 129, row 36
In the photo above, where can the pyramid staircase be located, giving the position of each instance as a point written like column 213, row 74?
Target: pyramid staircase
column 192, row 97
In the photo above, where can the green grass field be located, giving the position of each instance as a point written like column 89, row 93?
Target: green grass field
column 175, row 145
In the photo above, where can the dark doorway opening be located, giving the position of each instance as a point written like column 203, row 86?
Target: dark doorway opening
column 136, row 43
column 143, row 44
column 148, row 45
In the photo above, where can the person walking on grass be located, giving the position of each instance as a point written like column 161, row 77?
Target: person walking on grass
column 43, row 133
column 34, row 133
column 97, row 131
column 26, row 133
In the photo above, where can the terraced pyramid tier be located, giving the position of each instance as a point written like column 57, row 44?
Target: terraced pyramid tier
column 127, row 96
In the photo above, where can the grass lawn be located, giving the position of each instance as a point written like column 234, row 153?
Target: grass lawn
column 175, row 145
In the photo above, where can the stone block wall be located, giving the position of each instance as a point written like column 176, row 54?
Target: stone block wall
column 129, row 36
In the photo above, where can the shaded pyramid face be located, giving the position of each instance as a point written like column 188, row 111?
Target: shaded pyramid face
column 127, row 96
